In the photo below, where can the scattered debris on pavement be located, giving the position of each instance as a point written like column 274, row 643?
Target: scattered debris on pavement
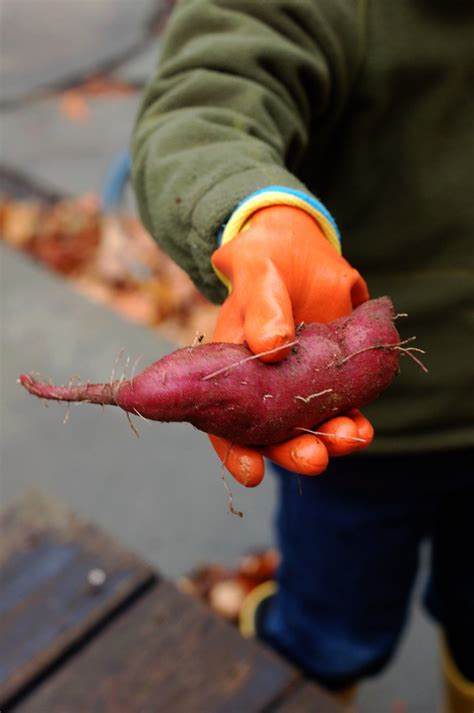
column 223, row 589
column 110, row 259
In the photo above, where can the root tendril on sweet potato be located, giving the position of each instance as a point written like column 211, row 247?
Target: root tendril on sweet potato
column 114, row 365
column 307, row 399
column 332, row 435
column 147, row 420
column 408, row 351
column 247, row 359
column 135, row 364
column 230, row 501
column 198, row 338
column 132, row 425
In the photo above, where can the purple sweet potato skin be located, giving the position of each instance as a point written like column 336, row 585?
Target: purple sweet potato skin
column 332, row 369
column 260, row 404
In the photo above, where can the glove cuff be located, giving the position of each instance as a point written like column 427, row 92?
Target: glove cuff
column 273, row 196
column 279, row 195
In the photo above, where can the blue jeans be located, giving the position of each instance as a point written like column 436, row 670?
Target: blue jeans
column 350, row 541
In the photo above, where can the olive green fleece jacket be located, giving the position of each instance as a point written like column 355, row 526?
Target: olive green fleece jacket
column 366, row 104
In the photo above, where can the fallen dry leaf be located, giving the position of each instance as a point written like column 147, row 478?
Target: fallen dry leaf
column 110, row 259
column 18, row 222
column 74, row 106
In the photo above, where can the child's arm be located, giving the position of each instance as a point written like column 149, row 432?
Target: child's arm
column 242, row 89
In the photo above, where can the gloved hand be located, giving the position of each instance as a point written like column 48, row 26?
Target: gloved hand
column 283, row 271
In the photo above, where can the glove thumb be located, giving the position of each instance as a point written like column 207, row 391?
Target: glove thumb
column 268, row 321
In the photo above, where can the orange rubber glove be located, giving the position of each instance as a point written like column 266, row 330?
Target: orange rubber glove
column 283, row 271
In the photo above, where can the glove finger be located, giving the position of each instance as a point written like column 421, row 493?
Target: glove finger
column 268, row 321
column 246, row 465
column 365, row 428
column 230, row 325
column 340, row 435
column 305, row 454
column 359, row 291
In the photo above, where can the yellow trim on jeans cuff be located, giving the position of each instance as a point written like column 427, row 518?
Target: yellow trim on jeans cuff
column 249, row 607
column 453, row 674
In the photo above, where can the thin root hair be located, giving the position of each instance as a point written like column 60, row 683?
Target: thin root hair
column 249, row 358
column 408, row 351
column 135, row 364
column 230, row 501
column 332, row 435
column 114, row 365
column 307, row 399
column 132, row 425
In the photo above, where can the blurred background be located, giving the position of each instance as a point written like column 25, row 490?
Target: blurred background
column 83, row 288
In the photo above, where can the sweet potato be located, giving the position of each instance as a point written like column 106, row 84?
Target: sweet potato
column 225, row 390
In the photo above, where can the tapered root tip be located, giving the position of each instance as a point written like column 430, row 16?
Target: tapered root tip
column 91, row 393
column 32, row 386
column 39, row 388
column 27, row 381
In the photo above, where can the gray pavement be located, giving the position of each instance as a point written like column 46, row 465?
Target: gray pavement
column 139, row 68
column 160, row 494
column 44, row 42
column 71, row 156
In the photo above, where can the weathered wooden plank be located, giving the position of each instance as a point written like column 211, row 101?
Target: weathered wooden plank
column 166, row 654
column 308, row 698
column 47, row 603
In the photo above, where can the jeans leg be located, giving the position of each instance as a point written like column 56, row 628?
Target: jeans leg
column 349, row 559
column 450, row 596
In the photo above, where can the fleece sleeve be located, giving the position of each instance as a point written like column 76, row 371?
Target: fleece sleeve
column 242, row 89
